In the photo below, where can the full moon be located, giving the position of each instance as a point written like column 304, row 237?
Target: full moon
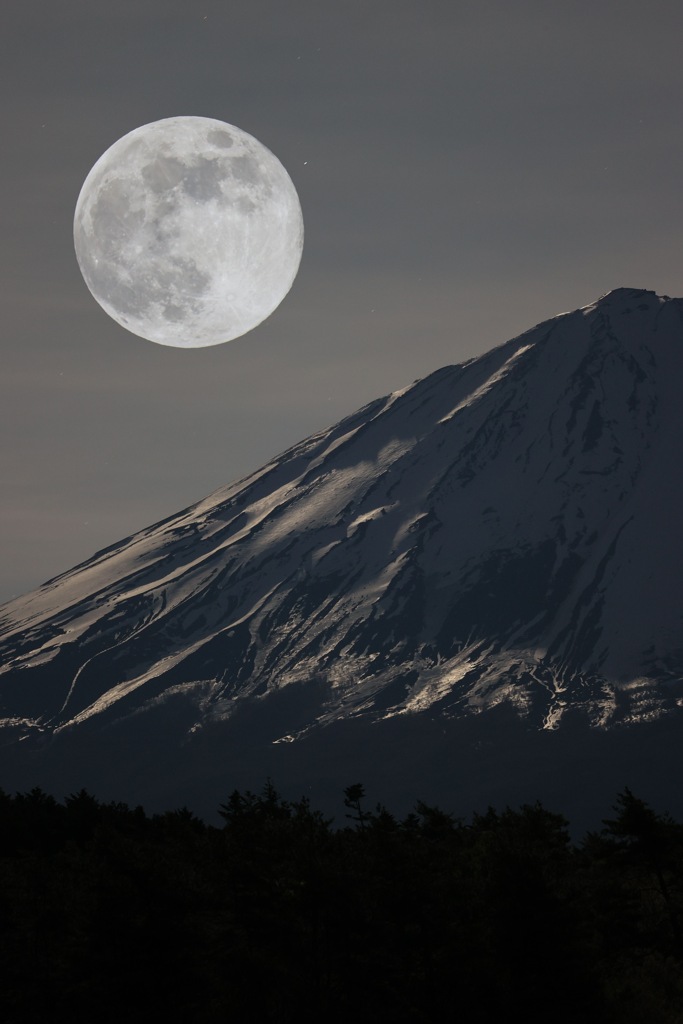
column 188, row 232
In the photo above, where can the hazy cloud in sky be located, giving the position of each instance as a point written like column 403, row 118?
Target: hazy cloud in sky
column 465, row 170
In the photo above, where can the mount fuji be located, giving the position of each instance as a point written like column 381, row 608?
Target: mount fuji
column 487, row 561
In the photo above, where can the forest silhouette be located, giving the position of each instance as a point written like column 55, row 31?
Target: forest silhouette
column 281, row 915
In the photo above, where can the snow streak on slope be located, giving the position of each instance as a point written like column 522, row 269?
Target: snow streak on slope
column 503, row 530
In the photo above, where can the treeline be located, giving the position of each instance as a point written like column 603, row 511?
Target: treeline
column 107, row 913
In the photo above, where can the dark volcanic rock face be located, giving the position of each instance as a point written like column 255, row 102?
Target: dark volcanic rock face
column 502, row 533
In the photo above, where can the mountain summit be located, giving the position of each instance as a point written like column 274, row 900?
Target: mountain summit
column 505, row 532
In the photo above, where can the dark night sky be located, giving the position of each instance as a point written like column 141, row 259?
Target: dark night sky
column 465, row 171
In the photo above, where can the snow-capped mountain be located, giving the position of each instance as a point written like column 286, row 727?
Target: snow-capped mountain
column 505, row 531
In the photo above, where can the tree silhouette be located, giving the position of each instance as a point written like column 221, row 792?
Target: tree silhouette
column 352, row 799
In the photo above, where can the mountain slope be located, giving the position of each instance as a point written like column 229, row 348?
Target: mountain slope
column 505, row 531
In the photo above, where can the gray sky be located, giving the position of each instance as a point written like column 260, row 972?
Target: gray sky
column 466, row 169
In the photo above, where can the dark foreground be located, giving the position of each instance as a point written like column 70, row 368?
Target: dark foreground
column 108, row 913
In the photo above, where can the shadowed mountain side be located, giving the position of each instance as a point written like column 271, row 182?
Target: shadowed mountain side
column 461, row 765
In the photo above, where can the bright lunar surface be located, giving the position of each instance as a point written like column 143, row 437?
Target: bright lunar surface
column 188, row 232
